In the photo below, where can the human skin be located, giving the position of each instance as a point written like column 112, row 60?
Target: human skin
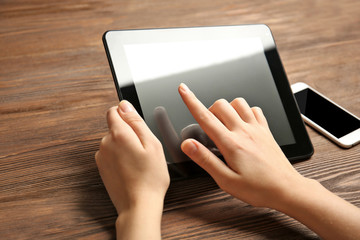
column 171, row 139
column 132, row 165
column 257, row 171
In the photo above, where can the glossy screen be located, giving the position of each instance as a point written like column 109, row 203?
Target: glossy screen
column 325, row 114
column 213, row 69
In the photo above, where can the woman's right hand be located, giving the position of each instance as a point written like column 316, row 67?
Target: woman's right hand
column 256, row 170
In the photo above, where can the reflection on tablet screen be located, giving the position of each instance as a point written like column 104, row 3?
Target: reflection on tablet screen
column 213, row 69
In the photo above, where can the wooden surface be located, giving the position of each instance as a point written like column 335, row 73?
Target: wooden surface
column 56, row 85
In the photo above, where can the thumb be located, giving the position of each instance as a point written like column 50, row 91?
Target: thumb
column 207, row 160
column 129, row 114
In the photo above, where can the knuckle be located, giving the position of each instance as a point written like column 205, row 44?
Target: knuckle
column 108, row 112
column 218, row 104
column 103, row 143
column 256, row 108
column 97, row 158
column 116, row 135
column 238, row 101
column 157, row 146
column 157, row 143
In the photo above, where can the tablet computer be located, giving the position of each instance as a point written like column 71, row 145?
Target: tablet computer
column 215, row 62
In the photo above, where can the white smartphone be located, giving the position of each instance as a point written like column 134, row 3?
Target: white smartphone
column 318, row 111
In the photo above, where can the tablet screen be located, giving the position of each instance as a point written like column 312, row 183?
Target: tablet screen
column 220, row 67
column 213, row 69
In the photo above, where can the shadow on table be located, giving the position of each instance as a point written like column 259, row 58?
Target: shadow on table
column 198, row 199
column 202, row 210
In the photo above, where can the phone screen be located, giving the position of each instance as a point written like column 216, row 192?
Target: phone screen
column 326, row 114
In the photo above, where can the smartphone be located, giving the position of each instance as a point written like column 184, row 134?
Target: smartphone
column 318, row 111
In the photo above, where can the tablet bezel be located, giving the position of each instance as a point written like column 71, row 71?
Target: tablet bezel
column 115, row 39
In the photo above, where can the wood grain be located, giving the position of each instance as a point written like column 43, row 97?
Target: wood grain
column 55, row 87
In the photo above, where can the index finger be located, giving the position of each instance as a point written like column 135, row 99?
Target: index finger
column 206, row 119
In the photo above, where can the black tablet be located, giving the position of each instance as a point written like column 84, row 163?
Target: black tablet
column 215, row 62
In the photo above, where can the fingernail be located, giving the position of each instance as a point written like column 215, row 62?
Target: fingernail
column 184, row 88
column 190, row 148
column 125, row 106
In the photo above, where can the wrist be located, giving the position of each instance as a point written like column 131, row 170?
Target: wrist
column 143, row 213
column 148, row 203
column 144, row 200
column 294, row 193
column 139, row 198
column 328, row 215
column 303, row 198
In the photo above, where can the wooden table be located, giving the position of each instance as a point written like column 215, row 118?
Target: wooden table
column 56, row 86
